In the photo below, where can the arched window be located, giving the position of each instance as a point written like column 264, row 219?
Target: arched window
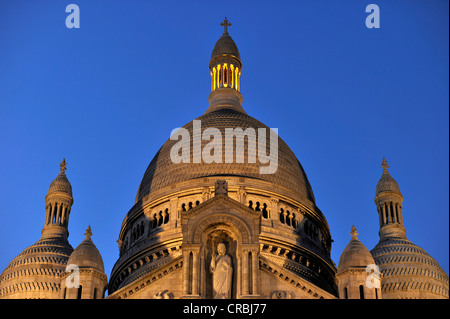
column 160, row 218
column 166, row 216
column 225, row 75
column 387, row 214
column 55, row 211
column 396, row 214
column 392, row 213
column 282, row 215
column 265, row 213
column 361, row 292
column 345, row 293
column 79, row 292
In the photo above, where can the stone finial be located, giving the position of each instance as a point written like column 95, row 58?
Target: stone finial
column 88, row 233
column 353, row 232
column 225, row 24
column 384, row 165
column 63, row 166
column 221, row 188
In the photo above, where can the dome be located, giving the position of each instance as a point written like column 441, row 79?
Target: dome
column 35, row 272
column 61, row 184
column 409, row 271
column 225, row 46
column 386, row 182
column 355, row 255
column 86, row 255
column 290, row 176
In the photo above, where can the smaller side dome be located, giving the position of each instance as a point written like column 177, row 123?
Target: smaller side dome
column 86, row 255
column 355, row 254
column 386, row 182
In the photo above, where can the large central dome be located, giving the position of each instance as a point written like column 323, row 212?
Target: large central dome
column 224, row 177
column 162, row 172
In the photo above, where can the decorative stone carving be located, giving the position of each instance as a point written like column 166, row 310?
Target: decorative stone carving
column 165, row 294
column 221, row 188
column 281, row 295
column 242, row 195
column 206, row 193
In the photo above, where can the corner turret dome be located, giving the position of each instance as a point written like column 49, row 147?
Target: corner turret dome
column 86, row 255
column 355, row 254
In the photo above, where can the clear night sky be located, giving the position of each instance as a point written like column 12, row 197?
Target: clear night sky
column 106, row 97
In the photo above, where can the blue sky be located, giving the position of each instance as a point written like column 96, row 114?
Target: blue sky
column 107, row 95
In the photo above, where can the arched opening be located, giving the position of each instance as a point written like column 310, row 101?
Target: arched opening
column 265, row 213
column 282, row 215
column 79, row 291
column 392, row 213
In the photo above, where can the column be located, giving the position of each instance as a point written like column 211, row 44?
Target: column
column 186, row 272
column 63, row 216
column 400, row 214
column 380, row 216
column 255, row 271
column 245, row 272
column 195, row 271
column 48, row 214
column 274, row 209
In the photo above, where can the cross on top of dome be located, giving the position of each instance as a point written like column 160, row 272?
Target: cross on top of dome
column 88, row 232
column 354, row 232
column 63, row 166
column 384, row 165
column 225, row 24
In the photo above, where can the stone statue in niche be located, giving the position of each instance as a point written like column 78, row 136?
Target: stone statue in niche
column 222, row 270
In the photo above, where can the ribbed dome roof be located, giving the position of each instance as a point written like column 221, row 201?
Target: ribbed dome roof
column 355, row 255
column 35, row 272
column 162, row 172
column 386, row 182
column 225, row 46
column 408, row 270
column 60, row 185
column 86, row 255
